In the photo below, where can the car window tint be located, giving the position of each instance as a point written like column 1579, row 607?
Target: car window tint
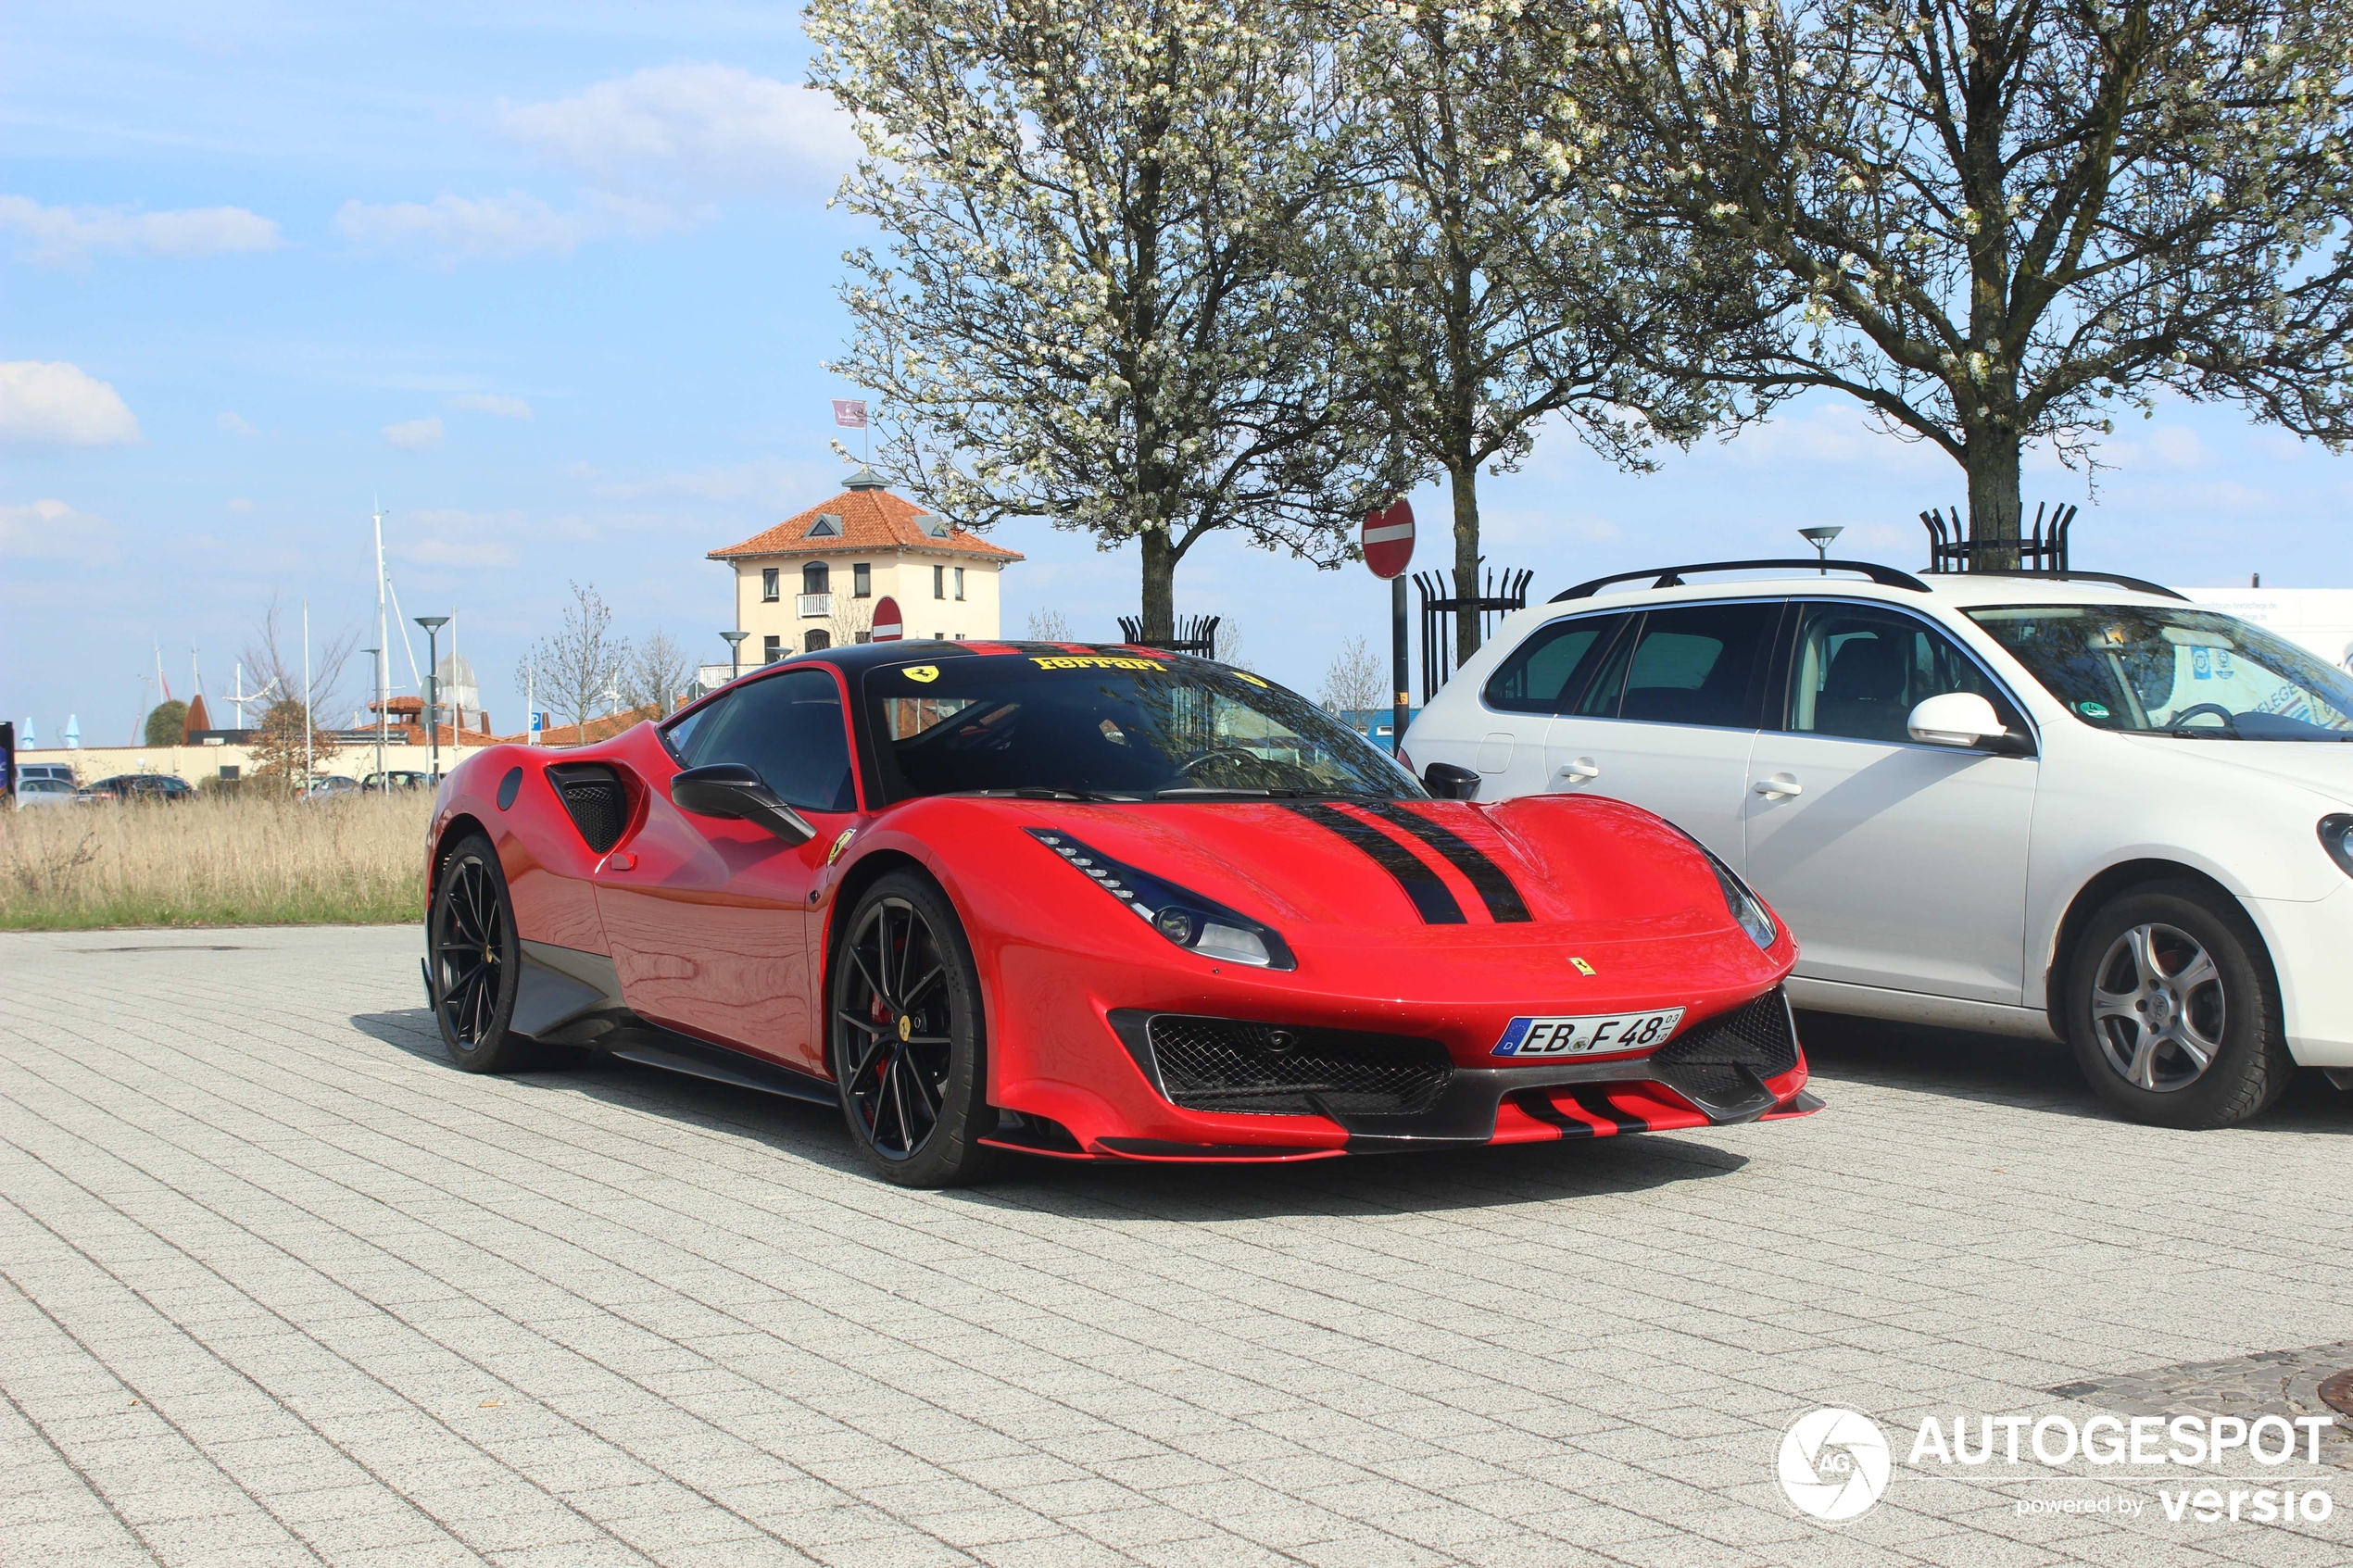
column 1698, row 664
column 1541, row 674
column 788, row 729
column 1859, row 671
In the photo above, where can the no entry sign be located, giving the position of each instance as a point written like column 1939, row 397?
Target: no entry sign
column 888, row 627
column 1388, row 538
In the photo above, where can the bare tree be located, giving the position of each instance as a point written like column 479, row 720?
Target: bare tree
column 852, row 621
column 1355, row 681
column 656, row 674
column 274, row 655
column 582, row 664
column 286, row 746
column 1226, row 645
column 1997, row 221
column 1048, row 626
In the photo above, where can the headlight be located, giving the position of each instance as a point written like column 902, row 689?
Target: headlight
column 2337, row 837
column 1198, row 925
column 1748, row 909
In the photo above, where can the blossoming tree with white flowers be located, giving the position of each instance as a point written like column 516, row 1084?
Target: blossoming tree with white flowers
column 1995, row 222
column 1087, row 308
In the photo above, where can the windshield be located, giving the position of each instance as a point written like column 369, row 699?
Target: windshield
column 2193, row 673
column 1116, row 725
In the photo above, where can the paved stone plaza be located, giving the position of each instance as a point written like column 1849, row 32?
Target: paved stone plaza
column 278, row 1286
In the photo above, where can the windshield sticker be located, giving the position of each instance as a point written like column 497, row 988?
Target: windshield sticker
column 922, row 674
column 1100, row 661
column 2092, row 709
column 2201, row 664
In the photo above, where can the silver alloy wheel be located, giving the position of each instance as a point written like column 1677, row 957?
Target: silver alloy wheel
column 2157, row 1007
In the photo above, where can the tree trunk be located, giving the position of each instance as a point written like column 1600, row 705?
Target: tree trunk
column 1160, row 583
column 1464, row 484
column 1994, row 495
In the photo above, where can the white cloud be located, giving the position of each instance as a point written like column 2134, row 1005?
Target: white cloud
column 50, row 530
column 415, row 434
column 487, row 402
column 60, row 235
column 61, row 405
column 239, row 506
column 457, row 538
column 233, row 424
column 763, row 481
column 709, row 128
column 451, row 228
column 458, row 552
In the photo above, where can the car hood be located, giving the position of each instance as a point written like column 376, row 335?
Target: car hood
column 1519, row 870
column 2323, row 767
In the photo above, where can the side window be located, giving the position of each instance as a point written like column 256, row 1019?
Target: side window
column 1696, row 664
column 786, row 727
column 1859, row 671
column 1541, row 674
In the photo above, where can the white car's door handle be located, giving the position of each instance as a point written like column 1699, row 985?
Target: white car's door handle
column 1777, row 785
column 1580, row 770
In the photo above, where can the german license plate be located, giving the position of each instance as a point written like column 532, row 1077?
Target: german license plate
column 1590, row 1035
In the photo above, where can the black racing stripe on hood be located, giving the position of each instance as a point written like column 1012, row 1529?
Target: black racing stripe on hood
column 1492, row 883
column 1421, row 885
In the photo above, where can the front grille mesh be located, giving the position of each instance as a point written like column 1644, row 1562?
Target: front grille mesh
column 593, row 794
column 1229, row 1065
column 1704, row 1065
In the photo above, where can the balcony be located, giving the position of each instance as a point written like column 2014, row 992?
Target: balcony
column 819, row 605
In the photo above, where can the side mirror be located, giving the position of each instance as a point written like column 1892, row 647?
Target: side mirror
column 1448, row 781
column 733, row 791
column 1959, row 719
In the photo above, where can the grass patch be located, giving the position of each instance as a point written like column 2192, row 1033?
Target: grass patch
column 245, row 859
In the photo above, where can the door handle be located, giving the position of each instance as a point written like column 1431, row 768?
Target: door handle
column 1779, row 785
column 1580, row 770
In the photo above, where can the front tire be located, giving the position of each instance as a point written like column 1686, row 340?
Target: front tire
column 473, row 960
column 907, row 1033
column 2172, row 1011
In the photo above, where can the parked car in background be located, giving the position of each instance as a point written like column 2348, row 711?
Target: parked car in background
column 332, row 784
column 2078, row 807
column 44, row 791
column 139, row 787
column 58, row 771
column 397, row 778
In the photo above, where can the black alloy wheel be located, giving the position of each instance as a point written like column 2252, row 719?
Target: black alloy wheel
column 906, row 1035
column 2171, row 1009
column 473, row 958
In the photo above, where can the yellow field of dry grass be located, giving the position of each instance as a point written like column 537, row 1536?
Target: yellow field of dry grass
column 243, row 860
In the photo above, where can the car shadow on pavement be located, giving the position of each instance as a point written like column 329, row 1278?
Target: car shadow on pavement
column 2027, row 1074
column 1372, row 1184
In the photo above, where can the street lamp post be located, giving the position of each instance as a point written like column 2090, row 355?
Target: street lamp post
column 735, row 652
column 433, row 625
column 1820, row 537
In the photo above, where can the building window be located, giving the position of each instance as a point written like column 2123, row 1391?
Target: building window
column 813, row 578
column 938, row 581
column 815, row 640
column 960, row 582
column 770, row 588
column 229, row 772
column 771, row 649
column 861, row 581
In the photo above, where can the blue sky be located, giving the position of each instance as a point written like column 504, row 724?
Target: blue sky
column 556, row 282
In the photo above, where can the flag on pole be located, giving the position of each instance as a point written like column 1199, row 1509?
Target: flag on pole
column 850, row 412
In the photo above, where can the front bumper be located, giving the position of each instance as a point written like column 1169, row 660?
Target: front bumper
column 1333, row 1092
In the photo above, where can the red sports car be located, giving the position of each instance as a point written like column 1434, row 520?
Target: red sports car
column 1104, row 903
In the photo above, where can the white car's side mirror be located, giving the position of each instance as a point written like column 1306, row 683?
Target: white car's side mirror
column 1953, row 719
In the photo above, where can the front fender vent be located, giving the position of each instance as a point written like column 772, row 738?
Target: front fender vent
column 592, row 792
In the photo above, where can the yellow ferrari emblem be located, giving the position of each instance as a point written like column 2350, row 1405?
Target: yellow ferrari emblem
column 906, row 1027
column 922, row 674
column 1582, row 967
column 839, row 845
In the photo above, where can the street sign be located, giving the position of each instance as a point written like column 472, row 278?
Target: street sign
column 1388, row 539
column 888, row 626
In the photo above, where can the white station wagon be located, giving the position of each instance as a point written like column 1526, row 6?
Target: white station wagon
column 2072, row 808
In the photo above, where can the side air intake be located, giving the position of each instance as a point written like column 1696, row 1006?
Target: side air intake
column 1721, row 1065
column 592, row 792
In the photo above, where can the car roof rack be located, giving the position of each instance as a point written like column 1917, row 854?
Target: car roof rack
column 1672, row 576
column 2138, row 584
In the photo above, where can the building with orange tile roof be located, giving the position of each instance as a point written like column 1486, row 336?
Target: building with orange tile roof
column 812, row 580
